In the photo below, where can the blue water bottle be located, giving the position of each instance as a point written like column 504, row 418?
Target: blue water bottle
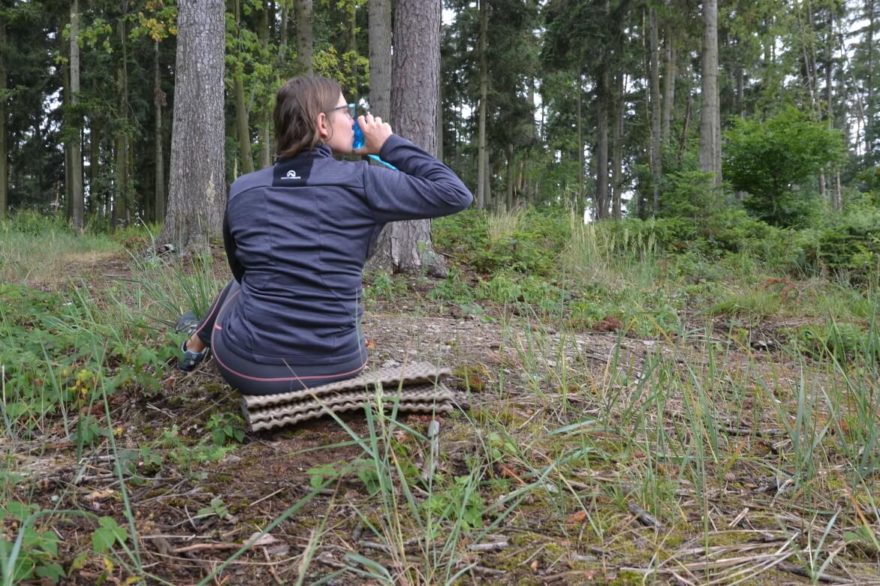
column 358, row 143
column 358, row 135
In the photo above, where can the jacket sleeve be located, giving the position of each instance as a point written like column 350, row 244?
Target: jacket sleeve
column 422, row 188
column 229, row 245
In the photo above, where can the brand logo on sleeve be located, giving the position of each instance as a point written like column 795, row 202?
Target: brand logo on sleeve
column 292, row 175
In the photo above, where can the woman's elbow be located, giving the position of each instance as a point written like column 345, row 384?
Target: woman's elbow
column 465, row 199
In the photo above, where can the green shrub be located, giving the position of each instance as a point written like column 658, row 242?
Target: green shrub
column 850, row 245
column 531, row 245
column 771, row 159
column 844, row 342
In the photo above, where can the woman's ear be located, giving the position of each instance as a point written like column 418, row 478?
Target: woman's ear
column 323, row 126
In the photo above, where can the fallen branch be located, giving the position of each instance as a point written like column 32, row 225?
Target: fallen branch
column 644, row 517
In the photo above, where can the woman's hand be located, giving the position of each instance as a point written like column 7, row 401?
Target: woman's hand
column 375, row 132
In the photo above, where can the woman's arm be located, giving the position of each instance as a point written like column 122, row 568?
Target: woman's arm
column 422, row 188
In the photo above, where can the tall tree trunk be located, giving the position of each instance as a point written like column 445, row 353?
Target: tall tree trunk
column 62, row 196
column 710, row 115
column 305, row 37
column 77, row 203
column 870, row 110
column 668, row 87
column 264, row 115
column 654, row 74
column 603, row 93
column 509, row 204
column 619, row 106
column 283, row 28
column 197, row 189
column 242, row 116
column 482, row 147
column 438, row 127
column 380, row 58
column 158, row 104
column 4, row 165
column 834, row 187
column 122, row 200
column 97, row 200
column 579, row 130
column 406, row 246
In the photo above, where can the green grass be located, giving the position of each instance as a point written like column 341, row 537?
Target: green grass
column 666, row 448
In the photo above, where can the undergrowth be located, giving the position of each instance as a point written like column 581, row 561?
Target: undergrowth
column 655, row 408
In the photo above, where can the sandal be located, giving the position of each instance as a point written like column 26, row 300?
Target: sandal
column 191, row 359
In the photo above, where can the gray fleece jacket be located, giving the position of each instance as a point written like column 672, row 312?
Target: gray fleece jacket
column 297, row 236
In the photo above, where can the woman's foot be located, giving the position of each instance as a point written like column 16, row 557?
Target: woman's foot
column 194, row 352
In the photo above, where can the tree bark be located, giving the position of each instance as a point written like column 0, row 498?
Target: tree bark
column 197, row 182
column 509, row 203
column 97, row 200
column 870, row 110
column 406, row 246
column 654, row 74
column 668, row 87
column 242, row 116
column 4, row 164
column 710, row 116
column 305, row 37
column 380, row 58
column 579, row 131
column 121, row 200
column 77, row 202
column 603, row 93
column 482, row 147
column 617, row 146
column 264, row 114
column 158, row 104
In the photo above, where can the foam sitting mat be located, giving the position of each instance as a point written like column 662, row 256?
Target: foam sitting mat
column 415, row 387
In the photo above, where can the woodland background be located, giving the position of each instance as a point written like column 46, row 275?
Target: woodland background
column 684, row 390
column 615, row 105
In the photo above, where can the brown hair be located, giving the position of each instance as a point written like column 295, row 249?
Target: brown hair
column 297, row 105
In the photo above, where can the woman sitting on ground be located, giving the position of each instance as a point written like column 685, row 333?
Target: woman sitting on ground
column 297, row 235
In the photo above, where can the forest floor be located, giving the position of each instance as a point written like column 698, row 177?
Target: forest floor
column 580, row 457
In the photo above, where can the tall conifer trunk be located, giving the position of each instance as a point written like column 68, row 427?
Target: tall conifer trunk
column 4, row 164
column 603, row 96
column 76, row 173
column 710, row 115
column 305, row 37
column 264, row 114
column 482, row 147
column 406, row 246
column 380, row 58
column 242, row 116
column 122, row 199
column 158, row 104
column 197, row 186
column 654, row 75
column 670, row 72
column 619, row 107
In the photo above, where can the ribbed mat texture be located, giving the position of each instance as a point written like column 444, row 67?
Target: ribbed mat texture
column 415, row 387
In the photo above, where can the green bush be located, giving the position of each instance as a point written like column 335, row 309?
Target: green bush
column 532, row 248
column 850, row 245
column 844, row 342
column 771, row 159
column 34, row 223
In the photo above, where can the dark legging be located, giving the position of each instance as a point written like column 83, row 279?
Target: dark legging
column 257, row 378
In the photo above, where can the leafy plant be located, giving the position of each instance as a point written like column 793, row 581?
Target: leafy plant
column 225, row 428
column 33, row 552
column 108, row 534
column 217, row 508
column 769, row 159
